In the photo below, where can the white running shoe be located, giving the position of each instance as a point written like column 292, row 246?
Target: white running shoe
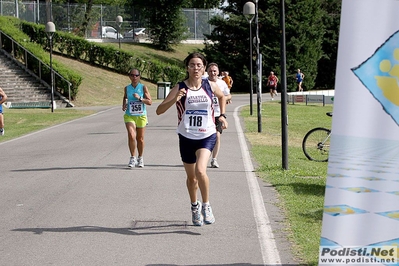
column 207, row 213
column 140, row 162
column 1, row 131
column 214, row 163
column 132, row 162
column 196, row 214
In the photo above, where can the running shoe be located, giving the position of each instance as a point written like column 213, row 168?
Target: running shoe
column 140, row 162
column 132, row 162
column 196, row 214
column 214, row 163
column 1, row 131
column 207, row 213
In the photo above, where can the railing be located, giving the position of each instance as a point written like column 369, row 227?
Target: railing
column 33, row 65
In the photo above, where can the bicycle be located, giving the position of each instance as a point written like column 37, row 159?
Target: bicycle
column 316, row 143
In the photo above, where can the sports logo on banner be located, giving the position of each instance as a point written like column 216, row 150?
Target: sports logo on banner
column 361, row 207
column 380, row 75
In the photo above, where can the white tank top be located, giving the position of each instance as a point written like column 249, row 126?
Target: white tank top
column 195, row 112
column 225, row 89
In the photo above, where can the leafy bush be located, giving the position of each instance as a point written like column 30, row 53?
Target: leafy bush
column 103, row 55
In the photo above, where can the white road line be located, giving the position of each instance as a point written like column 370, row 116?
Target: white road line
column 267, row 242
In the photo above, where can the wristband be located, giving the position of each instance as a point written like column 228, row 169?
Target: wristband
column 223, row 116
column 141, row 99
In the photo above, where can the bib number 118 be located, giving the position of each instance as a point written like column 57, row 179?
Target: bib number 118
column 195, row 121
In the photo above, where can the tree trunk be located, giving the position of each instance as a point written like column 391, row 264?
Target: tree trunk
column 49, row 13
column 83, row 28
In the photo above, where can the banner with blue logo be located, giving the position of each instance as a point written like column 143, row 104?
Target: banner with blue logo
column 361, row 208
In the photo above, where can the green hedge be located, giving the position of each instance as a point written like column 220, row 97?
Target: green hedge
column 105, row 56
column 33, row 37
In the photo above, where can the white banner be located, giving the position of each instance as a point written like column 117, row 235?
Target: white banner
column 361, row 208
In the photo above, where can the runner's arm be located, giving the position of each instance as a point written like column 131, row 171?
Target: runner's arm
column 174, row 95
column 124, row 101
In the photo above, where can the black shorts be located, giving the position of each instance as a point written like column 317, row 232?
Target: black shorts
column 188, row 147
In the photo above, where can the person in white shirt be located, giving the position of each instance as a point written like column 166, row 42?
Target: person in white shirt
column 196, row 130
column 213, row 74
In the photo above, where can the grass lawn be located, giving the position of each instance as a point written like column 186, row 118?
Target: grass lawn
column 19, row 122
column 301, row 187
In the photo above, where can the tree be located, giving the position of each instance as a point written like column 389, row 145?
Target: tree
column 229, row 48
column 89, row 14
column 327, row 64
column 49, row 15
column 206, row 4
column 164, row 21
column 304, row 33
column 81, row 30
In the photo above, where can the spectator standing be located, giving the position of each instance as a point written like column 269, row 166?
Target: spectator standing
column 227, row 79
column 135, row 99
column 272, row 81
column 299, row 79
column 213, row 75
column 196, row 130
column 3, row 98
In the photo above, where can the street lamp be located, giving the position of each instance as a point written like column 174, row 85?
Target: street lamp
column 249, row 13
column 284, row 115
column 50, row 29
column 258, row 69
column 119, row 21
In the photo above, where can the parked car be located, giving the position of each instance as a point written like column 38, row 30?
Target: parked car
column 135, row 32
column 111, row 33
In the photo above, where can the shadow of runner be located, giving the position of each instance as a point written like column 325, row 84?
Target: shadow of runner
column 110, row 167
column 138, row 228
column 230, row 264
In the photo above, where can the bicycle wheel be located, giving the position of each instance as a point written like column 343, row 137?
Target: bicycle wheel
column 316, row 144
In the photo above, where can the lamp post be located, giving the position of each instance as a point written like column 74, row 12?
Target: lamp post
column 50, row 29
column 249, row 13
column 258, row 69
column 284, row 115
column 119, row 21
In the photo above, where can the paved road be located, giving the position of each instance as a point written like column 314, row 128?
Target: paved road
column 67, row 198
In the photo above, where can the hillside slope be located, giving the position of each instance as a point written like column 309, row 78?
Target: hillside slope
column 103, row 87
column 99, row 86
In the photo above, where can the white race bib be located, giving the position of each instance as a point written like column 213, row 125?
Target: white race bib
column 196, row 120
column 136, row 108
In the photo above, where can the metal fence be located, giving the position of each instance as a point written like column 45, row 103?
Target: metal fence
column 67, row 17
